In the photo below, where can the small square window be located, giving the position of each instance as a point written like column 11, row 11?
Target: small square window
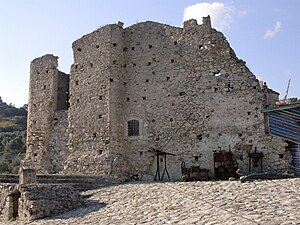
column 133, row 128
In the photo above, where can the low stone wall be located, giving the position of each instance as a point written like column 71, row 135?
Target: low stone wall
column 34, row 201
column 79, row 182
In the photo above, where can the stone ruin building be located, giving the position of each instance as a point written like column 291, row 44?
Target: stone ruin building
column 135, row 92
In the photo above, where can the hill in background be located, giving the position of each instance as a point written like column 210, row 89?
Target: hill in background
column 12, row 136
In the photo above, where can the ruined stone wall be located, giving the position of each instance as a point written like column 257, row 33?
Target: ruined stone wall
column 94, row 101
column 41, row 107
column 185, row 87
column 46, row 128
column 30, row 202
column 58, row 140
column 188, row 86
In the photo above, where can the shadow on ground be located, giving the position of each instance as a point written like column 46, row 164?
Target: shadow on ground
column 88, row 206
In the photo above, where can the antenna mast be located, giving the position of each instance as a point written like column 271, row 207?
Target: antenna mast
column 287, row 89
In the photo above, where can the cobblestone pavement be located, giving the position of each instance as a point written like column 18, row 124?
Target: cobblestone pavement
column 213, row 202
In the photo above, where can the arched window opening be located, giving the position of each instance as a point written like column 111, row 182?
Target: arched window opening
column 133, row 128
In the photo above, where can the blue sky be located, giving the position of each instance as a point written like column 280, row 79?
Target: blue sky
column 264, row 33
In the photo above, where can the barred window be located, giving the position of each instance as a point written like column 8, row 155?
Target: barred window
column 133, row 128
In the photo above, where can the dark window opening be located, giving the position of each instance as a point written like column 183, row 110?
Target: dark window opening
column 144, row 98
column 100, row 116
column 171, row 119
column 76, row 66
column 125, row 49
column 157, row 139
column 280, row 156
column 153, row 72
column 97, row 46
column 100, row 97
column 149, row 63
column 34, row 105
column 172, row 60
column 134, row 64
column 150, row 46
column 34, row 121
column 249, row 113
column 147, row 80
column 78, row 100
column 114, row 44
column 133, row 128
column 161, row 160
column 141, row 153
column 128, row 99
column 254, row 87
column 76, row 82
column 114, row 61
column 182, row 93
column 92, row 64
column 124, row 83
column 240, row 134
column 44, row 87
column 94, row 134
column 153, row 120
column 57, row 97
column 175, row 42
column 168, row 78
column 111, row 80
column 35, row 154
column 124, row 65
column 79, row 49
column 216, row 89
column 132, row 48
column 100, row 152
column 201, row 46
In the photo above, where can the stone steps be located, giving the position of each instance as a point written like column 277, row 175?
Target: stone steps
column 79, row 182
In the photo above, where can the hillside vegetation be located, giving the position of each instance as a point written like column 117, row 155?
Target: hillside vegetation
column 12, row 136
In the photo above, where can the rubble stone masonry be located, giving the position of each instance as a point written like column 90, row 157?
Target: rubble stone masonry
column 150, row 85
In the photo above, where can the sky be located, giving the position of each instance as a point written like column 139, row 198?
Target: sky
column 264, row 33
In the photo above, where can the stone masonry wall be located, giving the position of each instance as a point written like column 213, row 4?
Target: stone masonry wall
column 95, row 102
column 30, row 202
column 48, row 92
column 41, row 107
column 58, row 140
column 186, row 88
column 191, row 77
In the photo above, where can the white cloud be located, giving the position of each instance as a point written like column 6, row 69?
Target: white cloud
column 272, row 33
column 220, row 13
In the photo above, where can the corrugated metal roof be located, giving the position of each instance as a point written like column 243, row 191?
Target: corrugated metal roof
column 280, row 107
column 284, row 121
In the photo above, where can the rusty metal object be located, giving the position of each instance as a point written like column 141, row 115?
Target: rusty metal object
column 194, row 173
column 225, row 164
column 255, row 160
